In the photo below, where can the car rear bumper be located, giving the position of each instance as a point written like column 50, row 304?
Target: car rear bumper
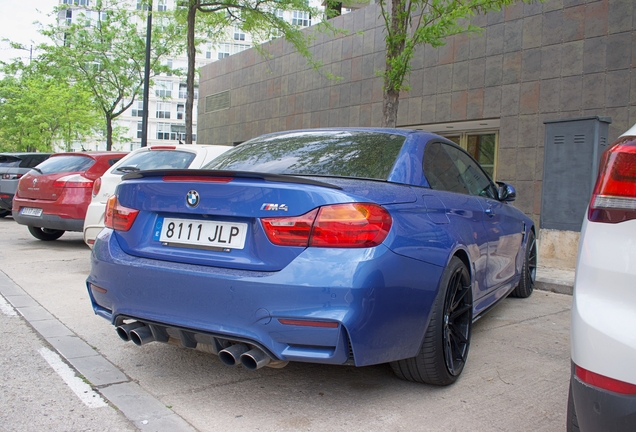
column 380, row 310
column 94, row 222
column 599, row 410
column 6, row 201
column 49, row 221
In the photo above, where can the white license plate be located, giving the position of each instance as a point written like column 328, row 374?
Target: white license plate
column 199, row 233
column 30, row 211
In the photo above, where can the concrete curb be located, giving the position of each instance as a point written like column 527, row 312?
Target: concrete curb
column 145, row 411
column 555, row 280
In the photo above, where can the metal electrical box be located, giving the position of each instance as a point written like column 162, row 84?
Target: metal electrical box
column 570, row 164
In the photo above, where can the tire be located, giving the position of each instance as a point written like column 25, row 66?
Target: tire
column 4, row 213
column 528, row 271
column 45, row 234
column 572, row 421
column 443, row 353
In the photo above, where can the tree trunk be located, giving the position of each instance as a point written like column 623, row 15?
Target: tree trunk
column 109, row 133
column 390, row 103
column 191, row 49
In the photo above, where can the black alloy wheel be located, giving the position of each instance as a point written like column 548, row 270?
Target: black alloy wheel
column 45, row 234
column 458, row 318
column 445, row 347
column 529, row 269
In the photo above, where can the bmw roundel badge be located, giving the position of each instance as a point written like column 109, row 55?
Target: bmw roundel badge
column 192, row 198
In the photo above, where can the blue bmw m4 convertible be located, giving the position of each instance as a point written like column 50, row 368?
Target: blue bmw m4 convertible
column 335, row 246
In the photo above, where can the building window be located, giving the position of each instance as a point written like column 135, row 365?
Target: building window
column 163, row 131
column 481, row 145
column 140, row 127
column 237, row 48
column 142, row 5
column 183, row 91
column 161, row 7
column 69, row 16
column 238, row 34
column 138, row 109
column 76, row 2
column 180, row 111
column 223, row 50
column 163, row 89
column 163, row 109
column 301, row 19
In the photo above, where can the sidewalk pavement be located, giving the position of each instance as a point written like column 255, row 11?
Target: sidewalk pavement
column 557, row 280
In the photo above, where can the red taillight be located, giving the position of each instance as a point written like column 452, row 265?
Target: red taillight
column 73, row 181
column 340, row 226
column 614, row 197
column 604, row 382
column 118, row 217
column 11, row 176
column 97, row 186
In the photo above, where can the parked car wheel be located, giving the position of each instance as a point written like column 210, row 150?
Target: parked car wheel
column 45, row 234
column 445, row 348
column 4, row 213
column 572, row 421
column 529, row 270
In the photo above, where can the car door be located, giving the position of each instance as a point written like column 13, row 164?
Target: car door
column 504, row 230
column 450, row 202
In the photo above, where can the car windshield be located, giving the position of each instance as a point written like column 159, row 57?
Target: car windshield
column 9, row 161
column 156, row 159
column 70, row 163
column 321, row 153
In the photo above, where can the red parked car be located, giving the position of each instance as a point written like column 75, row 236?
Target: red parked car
column 53, row 197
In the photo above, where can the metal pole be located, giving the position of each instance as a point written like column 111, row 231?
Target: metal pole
column 144, row 120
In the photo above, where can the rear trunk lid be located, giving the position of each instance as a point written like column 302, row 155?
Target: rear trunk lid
column 180, row 208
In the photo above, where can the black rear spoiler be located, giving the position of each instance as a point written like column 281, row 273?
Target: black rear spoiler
column 276, row 178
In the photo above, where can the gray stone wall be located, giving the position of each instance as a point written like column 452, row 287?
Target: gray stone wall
column 533, row 62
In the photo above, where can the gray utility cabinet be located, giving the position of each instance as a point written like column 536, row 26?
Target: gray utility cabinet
column 570, row 164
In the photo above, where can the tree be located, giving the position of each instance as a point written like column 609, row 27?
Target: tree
column 104, row 49
column 411, row 23
column 38, row 109
column 259, row 19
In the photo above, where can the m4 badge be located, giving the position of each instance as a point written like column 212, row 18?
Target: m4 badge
column 274, row 207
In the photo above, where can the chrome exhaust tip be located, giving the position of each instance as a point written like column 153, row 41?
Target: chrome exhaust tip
column 230, row 355
column 254, row 359
column 123, row 331
column 141, row 335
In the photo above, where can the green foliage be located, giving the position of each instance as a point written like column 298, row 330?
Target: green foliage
column 37, row 109
column 410, row 23
column 104, row 49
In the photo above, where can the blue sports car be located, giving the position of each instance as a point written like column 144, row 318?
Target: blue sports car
column 335, row 246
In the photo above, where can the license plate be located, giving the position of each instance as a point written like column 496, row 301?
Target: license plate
column 199, row 233
column 30, row 211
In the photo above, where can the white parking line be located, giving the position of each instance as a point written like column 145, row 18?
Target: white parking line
column 87, row 395
column 6, row 308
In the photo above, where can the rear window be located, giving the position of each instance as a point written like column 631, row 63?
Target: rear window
column 60, row 164
column 156, row 159
column 9, row 161
column 321, row 153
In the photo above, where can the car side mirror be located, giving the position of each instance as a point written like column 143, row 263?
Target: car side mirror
column 506, row 192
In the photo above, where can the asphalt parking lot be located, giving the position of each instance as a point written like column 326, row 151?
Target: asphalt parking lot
column 516, row 378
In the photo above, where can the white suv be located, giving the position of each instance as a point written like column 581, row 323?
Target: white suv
column 146, row 158
column 603, row 380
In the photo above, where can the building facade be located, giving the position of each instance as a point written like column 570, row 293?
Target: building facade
column 489, row 92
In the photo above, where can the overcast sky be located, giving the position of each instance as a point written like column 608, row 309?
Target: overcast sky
column 17, row 19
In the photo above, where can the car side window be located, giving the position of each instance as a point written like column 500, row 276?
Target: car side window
column 450, row 169
column 440, row 170
column 472, row 175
